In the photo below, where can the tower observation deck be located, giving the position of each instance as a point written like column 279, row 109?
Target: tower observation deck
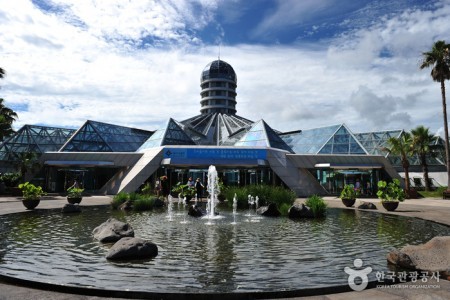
column 218, row 83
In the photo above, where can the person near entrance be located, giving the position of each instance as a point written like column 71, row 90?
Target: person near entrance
column 190, row 183
column 164, row 187
column 199, row 189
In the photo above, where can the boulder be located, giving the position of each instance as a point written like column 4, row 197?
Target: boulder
column 132, row 248
column 300, row 211
column 71, row 208
column 196, row 211
column 158, row 203
column 433, row 256
column 367, row 205
column 112, row 230
column 127, row 205
column 269, row 211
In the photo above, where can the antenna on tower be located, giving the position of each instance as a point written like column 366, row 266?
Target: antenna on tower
column 219, row 52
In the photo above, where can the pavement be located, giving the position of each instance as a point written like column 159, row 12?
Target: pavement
column 436, row 210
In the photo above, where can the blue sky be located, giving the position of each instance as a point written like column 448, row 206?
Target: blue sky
column 299, row 64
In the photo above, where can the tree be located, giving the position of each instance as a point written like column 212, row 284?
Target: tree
column 402, row 146
column 439, row 59
column 26, row 162
column 422, row 142
column 7, row 117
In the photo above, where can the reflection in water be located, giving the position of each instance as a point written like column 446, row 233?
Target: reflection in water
column 273, row 254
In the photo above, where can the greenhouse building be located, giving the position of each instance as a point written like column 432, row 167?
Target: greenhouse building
column 108, row 158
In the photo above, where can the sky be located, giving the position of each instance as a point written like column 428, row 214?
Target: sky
column 300, row 64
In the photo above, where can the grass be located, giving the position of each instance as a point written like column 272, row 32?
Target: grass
column 143, row 203
column 317, row 205
column 266, row 194
column 433, row 194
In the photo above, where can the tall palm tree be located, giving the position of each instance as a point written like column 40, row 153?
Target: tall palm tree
column 439, row 59
column 402, row 146
column 7, row 117
column 422, row 142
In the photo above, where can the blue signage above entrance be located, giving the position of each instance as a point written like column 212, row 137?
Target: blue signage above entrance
column 215, row 153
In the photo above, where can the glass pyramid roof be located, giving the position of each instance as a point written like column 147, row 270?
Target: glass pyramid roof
column 336, row 139
column 262, row 135
column 101, row 137
column 172, row 134
column 375, row 141
column 35, row 139
column 214, row 128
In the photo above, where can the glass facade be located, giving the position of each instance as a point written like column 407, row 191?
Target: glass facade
column 172, row 134
column 218, row 69
column 101, row 137
column 333, row 180
column 335, row 139
column 35, row 139
column 262, row 135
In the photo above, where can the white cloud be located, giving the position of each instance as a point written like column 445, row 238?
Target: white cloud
column 61, row 74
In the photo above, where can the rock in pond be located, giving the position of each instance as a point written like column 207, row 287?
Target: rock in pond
column 196, row 211
column 433, row 256
column 300, row 211
column 71, row 208
column 269, row 211
column 367, row 205
column 132, row 248
column 112, row 230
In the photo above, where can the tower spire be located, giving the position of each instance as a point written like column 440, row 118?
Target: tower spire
column 219, row 53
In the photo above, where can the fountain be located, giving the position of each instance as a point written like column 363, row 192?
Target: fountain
column 170, row 208
column 253, row 260
column 213, row 190
column 234, row 209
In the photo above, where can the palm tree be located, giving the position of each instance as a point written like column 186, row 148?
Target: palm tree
column 422, row 142
column 26, row 162
column 402, row 146
column 439, row 59
column 2, row 73
column 7, row 117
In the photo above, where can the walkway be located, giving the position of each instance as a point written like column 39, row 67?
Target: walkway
column 430, row 209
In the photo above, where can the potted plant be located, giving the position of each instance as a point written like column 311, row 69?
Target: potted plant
column 74, row 195
column 31, row 194
column 348, row 195
column 391, row 194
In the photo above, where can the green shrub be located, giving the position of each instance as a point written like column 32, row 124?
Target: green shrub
column 144, row 203
column 266, row 194
column 30, row 191
column 119, row 199
column 317, row 205
column 284, row 209
column 390, row 192
column 10, row 179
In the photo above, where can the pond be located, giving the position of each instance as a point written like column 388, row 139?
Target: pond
column 254, row 255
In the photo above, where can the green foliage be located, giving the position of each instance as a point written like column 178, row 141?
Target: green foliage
column 284, row 209
column 266, row 194
column 390, row 192
column 74, row 192
column 349, row 192
column 30, row 191
column 140, row 202
column 317, row 205
column 10, row 179
column 119, row 199
column 437, row 193
column 147, row 189
column 143, row 203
